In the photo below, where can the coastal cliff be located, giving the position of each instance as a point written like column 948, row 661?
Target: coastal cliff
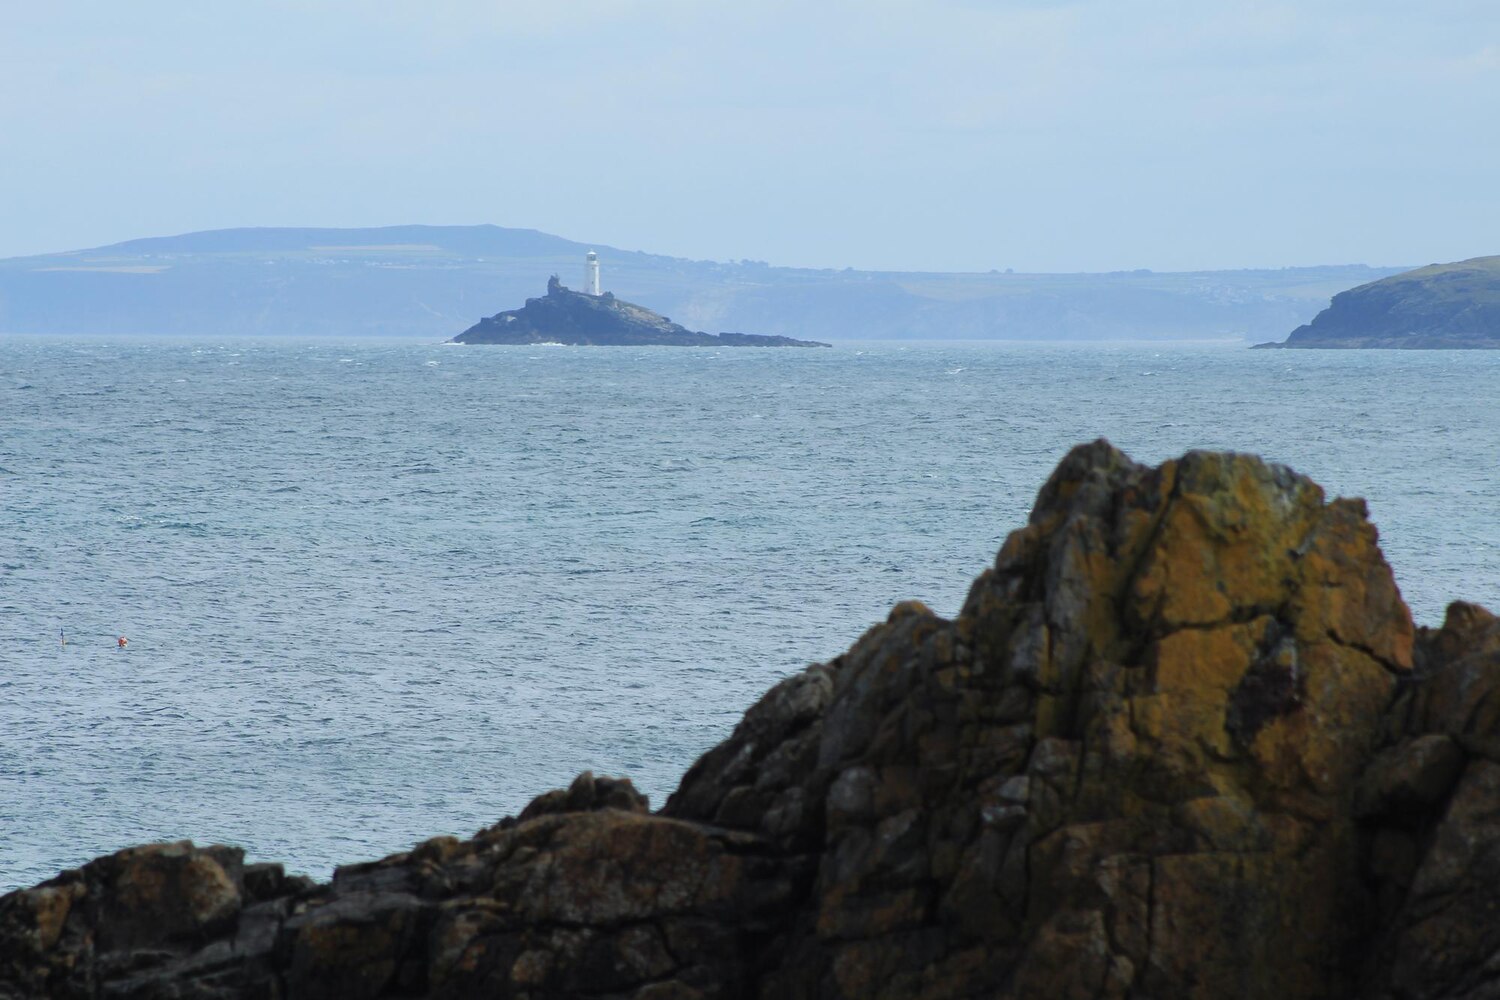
column 564, row 316
column 1438, row 306
column 1182, row 740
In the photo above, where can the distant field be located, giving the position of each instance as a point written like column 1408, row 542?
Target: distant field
column 112, row 269
column 424, row 248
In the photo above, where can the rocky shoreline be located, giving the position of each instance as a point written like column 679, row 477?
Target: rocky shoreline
column 1182, row 740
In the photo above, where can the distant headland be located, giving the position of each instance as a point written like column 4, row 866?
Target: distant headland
column 1439, row 306
column 593, row 318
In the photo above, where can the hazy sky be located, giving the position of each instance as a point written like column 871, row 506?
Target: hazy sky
column 943, row 135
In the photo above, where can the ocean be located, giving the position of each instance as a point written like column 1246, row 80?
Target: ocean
column 379, row 591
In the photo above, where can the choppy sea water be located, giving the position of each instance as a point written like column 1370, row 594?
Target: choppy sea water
column 375, row 592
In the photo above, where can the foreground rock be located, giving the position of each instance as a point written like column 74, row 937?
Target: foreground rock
column 1181, row 741
column 1438, row 306
column 568, row 317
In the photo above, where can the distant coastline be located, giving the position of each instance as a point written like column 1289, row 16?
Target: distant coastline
column 429, row 282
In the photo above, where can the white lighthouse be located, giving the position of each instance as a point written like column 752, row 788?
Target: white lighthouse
column 591, row 274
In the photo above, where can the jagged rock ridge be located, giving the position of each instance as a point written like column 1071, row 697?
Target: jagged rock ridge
column 1438, row 306
column 1181, row 741
column 568, row 317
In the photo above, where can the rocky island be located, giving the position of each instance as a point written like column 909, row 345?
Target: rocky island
column 1438, row 306
column 564, row 316
column 1181, row 741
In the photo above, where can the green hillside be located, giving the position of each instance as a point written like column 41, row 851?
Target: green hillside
column 1438, row 306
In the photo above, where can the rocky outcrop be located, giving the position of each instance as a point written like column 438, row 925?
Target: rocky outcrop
column 568, row 317
column 1181, row 741
column 1438, row 306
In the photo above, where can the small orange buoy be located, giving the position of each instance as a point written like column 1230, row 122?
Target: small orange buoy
column 123, row 642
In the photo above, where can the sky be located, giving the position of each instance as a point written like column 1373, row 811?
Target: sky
column 949, row 135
